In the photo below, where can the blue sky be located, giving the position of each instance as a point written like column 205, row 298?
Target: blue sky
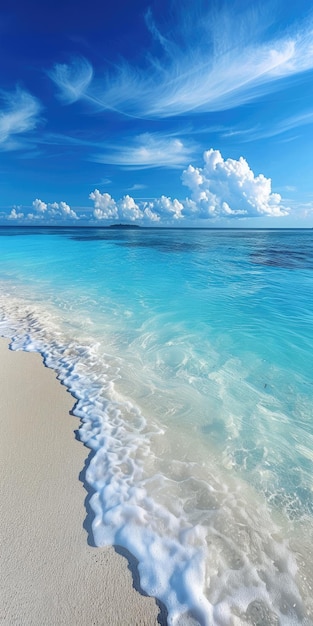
column 159, row 113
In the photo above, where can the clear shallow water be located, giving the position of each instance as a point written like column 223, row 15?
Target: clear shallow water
column 189, row 353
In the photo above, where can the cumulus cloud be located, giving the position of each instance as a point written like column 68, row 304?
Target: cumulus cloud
column 229, row 188
column 127, row 209
column 105, row 206
column 15, row 214
column 220, row 189
column 166, row 208
column 220, row 61
column 62, row 209
column 45, row 212
column 40, row 206
column 54, row 210
column 18, row 115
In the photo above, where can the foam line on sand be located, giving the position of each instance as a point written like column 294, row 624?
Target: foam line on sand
column 49, row 572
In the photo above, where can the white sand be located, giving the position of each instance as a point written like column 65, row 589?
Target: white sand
column 49, row 573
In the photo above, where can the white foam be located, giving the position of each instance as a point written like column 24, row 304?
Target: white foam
column 206, row 544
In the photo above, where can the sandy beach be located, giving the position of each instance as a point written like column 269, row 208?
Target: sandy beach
column 51, row 573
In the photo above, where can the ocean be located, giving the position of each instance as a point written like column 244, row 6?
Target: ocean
column 189, row 355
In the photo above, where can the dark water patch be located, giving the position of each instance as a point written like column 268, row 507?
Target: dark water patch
column 149, row 240
column 163, row 245
column 284, row 257
column 101, row 237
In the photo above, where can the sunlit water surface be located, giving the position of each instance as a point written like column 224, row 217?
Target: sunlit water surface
column 190, row 355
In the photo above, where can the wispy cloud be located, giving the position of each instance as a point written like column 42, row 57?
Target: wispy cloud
column 290, row 123
column 137, row 187
column 105, row 181
column 203, row 65
column 276, row 128
column 19, row 114
column 73, row 80
column 144, row 151
column 148, row 150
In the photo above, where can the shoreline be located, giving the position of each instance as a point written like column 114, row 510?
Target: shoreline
column 51, row 572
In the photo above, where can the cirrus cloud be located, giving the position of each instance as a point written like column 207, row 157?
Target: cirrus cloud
column 148, row 150
column 72, row 79
column 18, row 115
column 215, row 63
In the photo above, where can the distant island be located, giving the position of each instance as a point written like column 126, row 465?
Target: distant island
column 124, row 226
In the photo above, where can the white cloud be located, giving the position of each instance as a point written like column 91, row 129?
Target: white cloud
column 230, row 188
column 62, row 209
column 105, row 206
column 39, row 206
column 72, row 80
column 276, row 128
column 51, row 211
column 206, row 63
column 166, row 208
column 128, row 210
column 18, row 115
column 15, row 214
column 220, row 189
column 137, row 187
column 148, row 150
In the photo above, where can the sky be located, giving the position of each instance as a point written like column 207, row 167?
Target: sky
column 157, row 113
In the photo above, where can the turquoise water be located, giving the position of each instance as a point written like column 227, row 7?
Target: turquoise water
column 189, row 352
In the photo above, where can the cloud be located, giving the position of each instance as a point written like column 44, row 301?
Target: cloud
column 72, row 80
column 144, row 151
column 105, row 206
column 15, row 214
column 220, row 189
column 280, row 127
column 63, row 210
column 229, row 188
column 137, row 187
column 148, row 150
column 45, row 212
column 127, row 209
column 52, row 210
column 18, row 115
column 205, row 62
column 40, row 206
